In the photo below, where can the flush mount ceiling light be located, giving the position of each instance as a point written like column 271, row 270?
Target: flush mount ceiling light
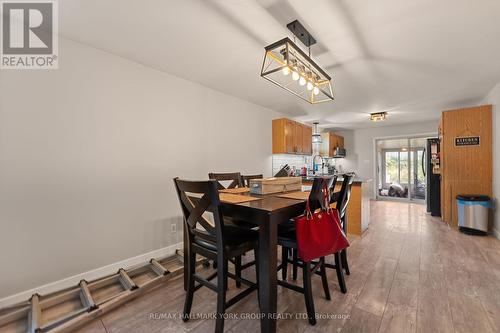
column 287, row 66
column 378, row 116
column 316, row 137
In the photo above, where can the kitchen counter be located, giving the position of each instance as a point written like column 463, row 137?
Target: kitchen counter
column 310, row 178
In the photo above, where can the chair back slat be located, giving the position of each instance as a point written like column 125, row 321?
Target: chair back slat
column 316, row 197
column 197, row 198
column 345, row 194
column 331, row 182
column 196, row 212
column 234, row 177
column 245, row 179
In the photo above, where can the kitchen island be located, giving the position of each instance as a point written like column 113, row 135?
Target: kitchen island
column 358, row 210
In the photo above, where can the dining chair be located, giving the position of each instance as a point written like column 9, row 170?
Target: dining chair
column 233, row 177
column 245, row 179
column 236, row 181
column 215, row 241
column 287, row 239
column 343, row 200
column 330, row 183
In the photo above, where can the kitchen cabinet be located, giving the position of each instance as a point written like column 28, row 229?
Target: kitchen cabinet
column 307, row 140
column 287, row 136
column 291, row 137
column 330, row 142
column 297, row 138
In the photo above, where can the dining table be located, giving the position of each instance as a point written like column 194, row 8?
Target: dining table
column 266, row 212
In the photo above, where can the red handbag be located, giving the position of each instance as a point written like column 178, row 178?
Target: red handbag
column 319, row 233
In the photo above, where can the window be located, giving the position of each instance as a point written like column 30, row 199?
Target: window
column 403, row 167
column 396, row 167
column 391, row 167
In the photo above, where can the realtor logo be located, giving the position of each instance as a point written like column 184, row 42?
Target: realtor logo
column 29, row 34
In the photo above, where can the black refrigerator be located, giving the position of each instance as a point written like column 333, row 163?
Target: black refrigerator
column 433, row 180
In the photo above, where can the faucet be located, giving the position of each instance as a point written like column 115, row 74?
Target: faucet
column 314, row 163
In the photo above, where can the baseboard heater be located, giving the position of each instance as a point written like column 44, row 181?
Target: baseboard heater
column 55, row 312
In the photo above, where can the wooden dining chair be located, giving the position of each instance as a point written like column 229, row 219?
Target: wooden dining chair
column 233, row 177
column 341, row 199
column 245, row 179
column 290, row 225
column 288, row 241
column 236, row 181
column 342, row 202
column 215, row 241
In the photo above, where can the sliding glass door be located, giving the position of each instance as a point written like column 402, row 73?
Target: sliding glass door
column 395, row 171
column 418, row 166
column 401, row 169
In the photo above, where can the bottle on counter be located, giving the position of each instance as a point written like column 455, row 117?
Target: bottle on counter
column 303, row 170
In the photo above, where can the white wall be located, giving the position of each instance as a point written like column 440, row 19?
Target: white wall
column 494, row 98
column 360, row 145
column 350, row 162
column 87, row 157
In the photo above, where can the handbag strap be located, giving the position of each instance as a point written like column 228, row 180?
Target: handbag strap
column 308, row 210
column 326, row 201
column 326, row 196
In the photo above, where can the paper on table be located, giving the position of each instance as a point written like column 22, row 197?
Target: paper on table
column 236, row 198
column 235, row 190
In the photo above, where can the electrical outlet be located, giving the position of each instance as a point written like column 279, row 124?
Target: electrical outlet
column 173, row 228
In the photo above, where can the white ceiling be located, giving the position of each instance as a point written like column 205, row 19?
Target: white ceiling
column 411, row 58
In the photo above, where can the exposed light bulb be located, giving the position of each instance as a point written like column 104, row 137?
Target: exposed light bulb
column 316, row 90
column 302, row 81
column 309, row 86
column 286, row 70
column 295, row 76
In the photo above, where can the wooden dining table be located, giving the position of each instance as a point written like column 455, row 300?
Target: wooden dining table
column 267, row 212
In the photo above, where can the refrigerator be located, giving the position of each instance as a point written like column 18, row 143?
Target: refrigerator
column 433, row 180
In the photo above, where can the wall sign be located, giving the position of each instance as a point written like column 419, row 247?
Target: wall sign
column 467, row 141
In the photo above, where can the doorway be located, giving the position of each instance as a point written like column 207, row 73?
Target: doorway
column 401, row 169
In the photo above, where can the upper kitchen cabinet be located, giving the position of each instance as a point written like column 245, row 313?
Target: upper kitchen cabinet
column 291, row 137
column 307, row 140
column 330, row 142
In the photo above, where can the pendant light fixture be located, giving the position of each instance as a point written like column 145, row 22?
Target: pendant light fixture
column 316, row 137
column 287, row 66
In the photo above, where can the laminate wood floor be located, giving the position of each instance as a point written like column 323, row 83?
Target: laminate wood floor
column 410, row 272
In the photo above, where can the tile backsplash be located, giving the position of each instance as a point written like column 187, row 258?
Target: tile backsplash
column 297, row 161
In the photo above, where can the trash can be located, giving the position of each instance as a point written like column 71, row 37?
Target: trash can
column 473, row 213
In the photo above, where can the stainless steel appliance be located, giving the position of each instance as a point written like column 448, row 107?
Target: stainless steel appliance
column 339, row 153
column 433, row 179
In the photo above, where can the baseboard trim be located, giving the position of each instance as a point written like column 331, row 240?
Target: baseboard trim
column 496, row 233
column 89, row 276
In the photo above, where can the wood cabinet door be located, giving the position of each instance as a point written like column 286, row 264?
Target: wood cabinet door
column 307, row 140
column 340, row 141
column 289, row 136
column 297, row 137
column 333, row 144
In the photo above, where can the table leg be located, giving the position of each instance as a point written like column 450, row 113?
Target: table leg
column 268, row 284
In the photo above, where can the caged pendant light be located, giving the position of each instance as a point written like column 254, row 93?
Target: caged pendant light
column 287, row 66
